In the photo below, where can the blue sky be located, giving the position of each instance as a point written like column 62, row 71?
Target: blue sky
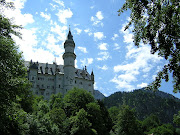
column 101, row 42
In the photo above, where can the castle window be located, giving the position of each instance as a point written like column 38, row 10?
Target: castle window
column 59, row 86
column 36, row 93
column 37, row 86
column 48, row 87
column 32, row 78
column 52, row 87
column 42, row 93
column 89, row 84
column 38, row 78
column 75, row 81
column 42, row 86
column 47, row 93
column 80, row 83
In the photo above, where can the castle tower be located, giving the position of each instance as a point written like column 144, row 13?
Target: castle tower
column 69, row 63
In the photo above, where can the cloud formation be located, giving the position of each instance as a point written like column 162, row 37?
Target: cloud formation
column 103, row 46
column 99, row 35
column 64, row 14
column 82, row 49
column 104, row 67
column 86, row 61
column 46, row 16
column 104, row 56
column 97, row 19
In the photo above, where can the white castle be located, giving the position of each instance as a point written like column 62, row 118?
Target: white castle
column 50, row 79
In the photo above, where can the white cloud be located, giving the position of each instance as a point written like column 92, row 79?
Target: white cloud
column 99, row 35
column 86, row 61
column 64, row 14
column 61, row 3
column 46, row 16
column 127, row 77
column 115, row 36
column 97, row 20
column 29, row 46
column 82, row 49
column 78, row 30
column 126, row 86
column 88, row 31
column 60, row 30
column 116, row 46
column 53, row 6
column 142, row 85
column 103, row 46
column 53, row 46
column 103, row 67
column 99, row 15
column 105, row 56
column 92, row 7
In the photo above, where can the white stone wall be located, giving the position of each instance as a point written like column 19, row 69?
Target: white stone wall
column 84, row 84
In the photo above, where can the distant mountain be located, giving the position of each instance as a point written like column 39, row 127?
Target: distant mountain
column 98, row 95
column 145, row 102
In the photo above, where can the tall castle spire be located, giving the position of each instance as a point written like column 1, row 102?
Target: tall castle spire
column 69, row 36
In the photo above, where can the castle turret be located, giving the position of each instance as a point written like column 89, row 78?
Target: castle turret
column 92, row 76
column 69, row 63
column 32, row 74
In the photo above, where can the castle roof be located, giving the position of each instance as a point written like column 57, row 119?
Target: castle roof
column 54, row 68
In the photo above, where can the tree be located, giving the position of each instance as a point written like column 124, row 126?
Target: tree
column 56, row 101
column 176, row 119
column 150, row 122
column 127, row 123
column 76, row 99
column 165, row 129
column 157, row 22
column 80, row 124
column 107, row 121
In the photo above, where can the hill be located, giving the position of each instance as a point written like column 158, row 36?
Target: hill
column 146, row 102
column 98, row 95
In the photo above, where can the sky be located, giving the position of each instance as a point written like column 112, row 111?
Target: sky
column 101, row 42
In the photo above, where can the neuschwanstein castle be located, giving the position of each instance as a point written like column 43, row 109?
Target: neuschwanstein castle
column 50, row 79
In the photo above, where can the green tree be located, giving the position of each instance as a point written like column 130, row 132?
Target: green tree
column 107, row 121
column 56, row 101
column 80, row 124
column 150, row 122
column 165, row 129
column 157, row 22
column 113, row 113
column 176, row 119
column 127, row 123
column 95, row 117
column 75, row 100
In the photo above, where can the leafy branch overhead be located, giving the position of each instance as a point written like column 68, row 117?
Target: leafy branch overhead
column 156, row 22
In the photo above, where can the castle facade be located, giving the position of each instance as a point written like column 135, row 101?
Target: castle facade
column 48, row 79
